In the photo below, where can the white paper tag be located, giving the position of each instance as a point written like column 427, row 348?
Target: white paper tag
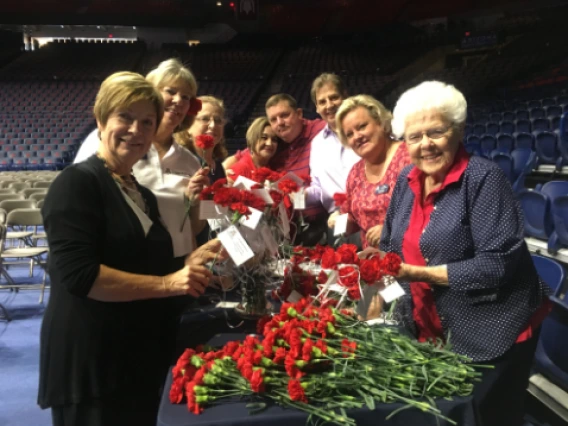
column 284, row 219
column 252, row 221
column 341, row 224
column 263, row 193
column 215, row 224
column 209, row 210
column 293, row 176
column 392, row 292
column 299, row 200
column 227, row 305
column 294, row 297
column 244, row 183
column 269, row 240
column 235, row 245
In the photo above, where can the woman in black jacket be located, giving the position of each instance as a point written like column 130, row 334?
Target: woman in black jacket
column 108, row 329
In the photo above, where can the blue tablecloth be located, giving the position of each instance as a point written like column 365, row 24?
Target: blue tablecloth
column 461, row 410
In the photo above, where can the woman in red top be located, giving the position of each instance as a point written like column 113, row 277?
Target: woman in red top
column 262, row 143
column 364, row 125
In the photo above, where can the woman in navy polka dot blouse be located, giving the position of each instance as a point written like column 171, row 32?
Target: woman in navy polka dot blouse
column 468, row 275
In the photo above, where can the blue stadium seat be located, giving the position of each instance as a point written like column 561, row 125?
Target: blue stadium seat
column 546, row 148
column 551, row 358
column 547, row 102
column 523, row 125
column 479, row 129
column 523, row 140
column 524, row 161
column 553, row 111
column 522, row 114
column 537, row 113
column 540, row 124
column 536, row 209
column 505, row 143
column 534, row 104
column 507, row 127
column 559, row 237
column 505, row 163
column 492, row 128
column 495, row 117
column 487, row 144
column 550, row 271
column 509, row 116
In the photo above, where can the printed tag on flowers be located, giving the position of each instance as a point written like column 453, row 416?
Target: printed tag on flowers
column 299, row 200
column 340, row 224
column 244, row 183
column 252, row 221
column 209, row 210
column 294, row 297
column 292, row 176
column 392, row 292
column 235, row 245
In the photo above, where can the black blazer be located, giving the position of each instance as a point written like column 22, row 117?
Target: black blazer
column 91, row 349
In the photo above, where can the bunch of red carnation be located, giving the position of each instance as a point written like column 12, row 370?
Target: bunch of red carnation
column 237, row 200
column 263, row 174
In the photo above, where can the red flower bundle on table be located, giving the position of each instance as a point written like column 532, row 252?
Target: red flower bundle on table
column 322, row 361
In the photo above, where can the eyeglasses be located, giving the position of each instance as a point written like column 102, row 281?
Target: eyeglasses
column 434, row 134
column 206, row 120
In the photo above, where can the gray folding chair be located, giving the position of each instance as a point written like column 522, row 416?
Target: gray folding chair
column 29, row 191
column 7, row 191
column 18, row 186
column 12, row 197
column 38, row 196
column 4, row 316
column 21, row 236
column 24, row 219
column 41, row 184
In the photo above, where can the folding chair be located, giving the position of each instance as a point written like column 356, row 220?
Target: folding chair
column 24, row 218
column 29, row 191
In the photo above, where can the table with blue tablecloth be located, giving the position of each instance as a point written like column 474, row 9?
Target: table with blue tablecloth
column 234, row 413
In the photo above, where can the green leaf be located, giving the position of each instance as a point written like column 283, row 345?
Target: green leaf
column 255, row 407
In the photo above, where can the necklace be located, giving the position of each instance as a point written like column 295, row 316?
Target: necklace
column 128, row 184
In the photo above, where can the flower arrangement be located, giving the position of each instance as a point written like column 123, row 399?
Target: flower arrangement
column 322, row 361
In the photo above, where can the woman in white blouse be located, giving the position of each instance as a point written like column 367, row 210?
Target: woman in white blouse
column 170, row 171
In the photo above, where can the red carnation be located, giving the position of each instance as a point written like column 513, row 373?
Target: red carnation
column 279, row 356
column 195, row 106
column 288, row 186
column 256, row 381
column 262, row 174
column 391, row 264
column 296, row 391
column 261, row 323
column 330, row 259
column 322, row 277
column 348, row 253
column 276, row 197
column 370, row 270
column 339, row 199
column 204, row 142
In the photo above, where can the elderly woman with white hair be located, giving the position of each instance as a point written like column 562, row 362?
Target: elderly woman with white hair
column 364, row 125
column 466, row 269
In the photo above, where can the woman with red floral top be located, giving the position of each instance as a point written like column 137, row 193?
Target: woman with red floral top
column 262, row 143
column 466, row 269
column 364, row 125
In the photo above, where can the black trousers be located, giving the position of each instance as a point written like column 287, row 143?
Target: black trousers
column 107, row 413
column 501, row 393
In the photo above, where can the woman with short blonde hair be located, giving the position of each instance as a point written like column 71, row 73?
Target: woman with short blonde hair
column 364, row 125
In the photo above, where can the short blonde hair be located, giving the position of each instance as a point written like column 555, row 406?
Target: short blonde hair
column 430, row 95
column 254, row 132
column 168, row 72
column 327, row 78
column 122, row 89
column 376, row 110
column 185, row 139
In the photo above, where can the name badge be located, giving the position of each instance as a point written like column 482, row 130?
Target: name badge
column 382, row 189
